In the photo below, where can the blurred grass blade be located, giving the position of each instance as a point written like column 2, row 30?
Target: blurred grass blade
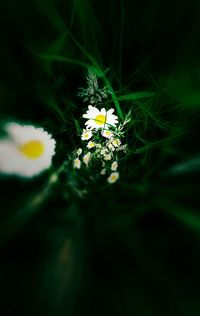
column 136, row 96
column 56, row 47
column 63, row 59
column 181, row 213
column 192, row 165
column 55, row 108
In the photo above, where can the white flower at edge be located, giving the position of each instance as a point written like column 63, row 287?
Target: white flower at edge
column 79, row 151
column 116, row 142
column 86, row 158
column 100, row 118
column 91, row 145
column 86, row 134
column 27, row 151
column 107, row 157
column 103, row 171
column 114, row 166
column 113, row 177
column 106, row 133
column 77, row 163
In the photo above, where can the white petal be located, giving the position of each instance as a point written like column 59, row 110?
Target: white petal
column 89, row 123
column 110, row 111
column 103, row 111
column 24, row 133
column 8, row 157
column 93, row 109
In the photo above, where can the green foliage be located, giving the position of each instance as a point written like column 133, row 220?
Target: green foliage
column 77, row 245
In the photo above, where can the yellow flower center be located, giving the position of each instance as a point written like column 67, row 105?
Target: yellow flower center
column 33, row 149
column 91, row 144
column 100, row 119
column 113, row 178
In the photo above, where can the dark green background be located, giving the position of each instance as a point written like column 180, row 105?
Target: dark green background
column 129, row 249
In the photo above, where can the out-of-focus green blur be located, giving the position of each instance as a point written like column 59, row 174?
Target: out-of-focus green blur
column 127, row 249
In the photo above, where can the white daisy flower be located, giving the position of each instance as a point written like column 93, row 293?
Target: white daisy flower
column 124, row 148
column 114, row 166
column 116, row 142
column 111, row 147
column 91, row 145
column 104, row 151
column 107, row 157
column 77, row 163
column 87, row 134
column 103, row 171
column 79, row 151
column 86, row 158
column 27, row 151
column 100, row 119
column 113, row 177
column 107, row 134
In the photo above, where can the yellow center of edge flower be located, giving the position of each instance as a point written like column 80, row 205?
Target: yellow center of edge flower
column 100, row 119
column 32, row 150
